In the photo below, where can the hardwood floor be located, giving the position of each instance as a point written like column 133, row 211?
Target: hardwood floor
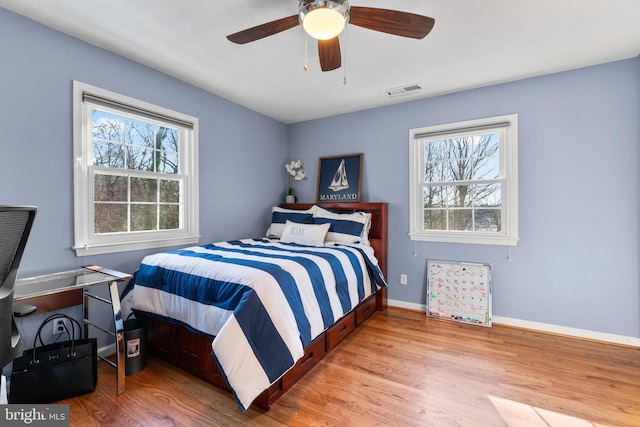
column 403, row 369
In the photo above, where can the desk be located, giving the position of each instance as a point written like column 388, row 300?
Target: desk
column 65, row 286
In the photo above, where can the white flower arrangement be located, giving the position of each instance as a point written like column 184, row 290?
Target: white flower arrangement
column 294, row 170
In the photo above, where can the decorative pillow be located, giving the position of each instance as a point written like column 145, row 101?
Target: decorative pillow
column 345, row 228
column 279, row 217
column 304, row 234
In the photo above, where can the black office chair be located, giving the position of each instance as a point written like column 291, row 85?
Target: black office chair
column 15, row 226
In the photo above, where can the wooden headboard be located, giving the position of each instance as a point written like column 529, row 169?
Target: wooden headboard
column 378, row 232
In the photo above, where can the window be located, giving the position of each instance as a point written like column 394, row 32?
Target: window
column 135, row 174
column 464, row 182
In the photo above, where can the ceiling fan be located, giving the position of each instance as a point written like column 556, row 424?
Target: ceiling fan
column 325, row 20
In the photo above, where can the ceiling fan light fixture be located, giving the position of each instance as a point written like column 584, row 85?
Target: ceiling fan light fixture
column 323, row 20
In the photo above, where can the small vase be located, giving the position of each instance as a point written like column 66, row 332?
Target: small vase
column 290, row 198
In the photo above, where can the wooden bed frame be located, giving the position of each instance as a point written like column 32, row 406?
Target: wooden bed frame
column 192, row 352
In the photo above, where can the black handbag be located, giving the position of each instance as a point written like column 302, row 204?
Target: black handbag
column 55, row 371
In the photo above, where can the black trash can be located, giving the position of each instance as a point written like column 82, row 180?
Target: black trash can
column 135, row 345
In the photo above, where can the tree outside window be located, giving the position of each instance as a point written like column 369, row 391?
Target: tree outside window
column 135, row 174
column 463, row 182
column 122, row 201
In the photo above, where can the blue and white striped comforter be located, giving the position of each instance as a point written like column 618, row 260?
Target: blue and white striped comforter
column 264, row 301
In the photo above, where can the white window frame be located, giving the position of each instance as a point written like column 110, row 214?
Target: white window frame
column 87, row 242
column 507, row 126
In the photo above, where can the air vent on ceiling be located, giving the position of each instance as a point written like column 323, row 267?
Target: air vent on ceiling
column 404, row 90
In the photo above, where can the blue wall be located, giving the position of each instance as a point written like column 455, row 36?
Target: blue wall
column 576, row 264
column 241, row 152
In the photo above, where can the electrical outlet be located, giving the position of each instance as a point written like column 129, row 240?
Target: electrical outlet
column 59, row 326
column 403, row 279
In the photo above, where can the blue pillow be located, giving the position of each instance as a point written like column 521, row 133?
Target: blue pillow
column 345, row 228
column 280, row 216
column 342, row 230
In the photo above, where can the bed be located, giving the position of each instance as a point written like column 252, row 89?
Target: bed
column 253, row 316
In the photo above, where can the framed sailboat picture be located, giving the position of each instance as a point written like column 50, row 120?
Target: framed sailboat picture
column 339, row 178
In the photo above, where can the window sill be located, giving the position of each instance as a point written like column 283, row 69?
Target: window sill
column 108, row 248
column 501, row 240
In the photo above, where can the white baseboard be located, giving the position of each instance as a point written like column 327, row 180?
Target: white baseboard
column 564, row 330
column 3, row 391
column 107, row 350
column 543, row 327
column 409, row 305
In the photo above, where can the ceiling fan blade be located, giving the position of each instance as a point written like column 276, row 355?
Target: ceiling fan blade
column 394, row 22
column 261, row 31
column 329, row 53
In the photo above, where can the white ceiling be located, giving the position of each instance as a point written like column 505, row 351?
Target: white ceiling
column 474, row 43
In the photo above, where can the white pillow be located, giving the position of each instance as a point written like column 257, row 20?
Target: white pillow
column 279, row 216
column 345, row 228
column 304, row 234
